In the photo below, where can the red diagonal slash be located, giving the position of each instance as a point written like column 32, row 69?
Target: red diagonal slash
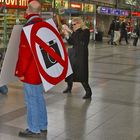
column 35, row 39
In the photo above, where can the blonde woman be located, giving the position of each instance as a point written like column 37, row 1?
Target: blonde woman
column 78, row 55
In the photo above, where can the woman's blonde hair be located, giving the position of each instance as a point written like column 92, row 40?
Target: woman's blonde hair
column 78, row 20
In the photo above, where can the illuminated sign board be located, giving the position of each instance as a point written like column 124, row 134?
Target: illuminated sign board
column 112, row 11
column 14, row 3
column 136, row 14
column 88, row 8
column 60, row 4
column 77, row 6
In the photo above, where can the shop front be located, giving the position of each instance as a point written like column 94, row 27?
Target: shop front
column 105, row 16
column 11, row 13
column 135, row 17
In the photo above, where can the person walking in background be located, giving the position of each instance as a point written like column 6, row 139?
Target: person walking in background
column 137, row 34
column 123, row 28
column 78, row 56
column 111, row 32
column 27, row 72
column 116, row 31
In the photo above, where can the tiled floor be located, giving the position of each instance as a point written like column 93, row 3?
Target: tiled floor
column 112, row 114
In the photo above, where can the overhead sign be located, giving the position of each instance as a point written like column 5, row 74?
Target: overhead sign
column 49, row 52
column 60, row 4
column 112, row 11
column 14, row 3
column 105, row 1
column 135, row 14
column 88, row 7
column 75, row 5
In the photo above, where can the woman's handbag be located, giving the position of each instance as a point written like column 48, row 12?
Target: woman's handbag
column 134, row 35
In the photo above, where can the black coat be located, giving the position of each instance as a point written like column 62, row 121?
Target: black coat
column 78, row 54
column 137, row 30
column 112, row 27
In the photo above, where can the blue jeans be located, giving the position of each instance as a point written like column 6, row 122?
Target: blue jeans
column 36, row 108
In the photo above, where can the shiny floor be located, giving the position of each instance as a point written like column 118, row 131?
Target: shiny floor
column 112, row 114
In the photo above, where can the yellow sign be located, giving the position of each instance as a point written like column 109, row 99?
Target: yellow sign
column 88, row 8
column 61, row 3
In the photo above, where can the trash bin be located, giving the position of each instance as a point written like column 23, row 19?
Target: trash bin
column 4, row 88
column 99, row 36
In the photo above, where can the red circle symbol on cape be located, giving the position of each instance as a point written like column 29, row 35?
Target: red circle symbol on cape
column 35, row 39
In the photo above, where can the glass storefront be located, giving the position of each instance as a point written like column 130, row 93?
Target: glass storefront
column 11, row 13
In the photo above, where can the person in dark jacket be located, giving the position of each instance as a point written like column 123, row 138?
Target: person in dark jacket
column 78, row 56
column 111, row 32
column 27, row 72
column 137, row 32
column 123, row 28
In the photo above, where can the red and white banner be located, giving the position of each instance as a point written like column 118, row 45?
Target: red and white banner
column 49, row 52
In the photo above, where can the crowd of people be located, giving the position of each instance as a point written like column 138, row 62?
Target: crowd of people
column 118, row 31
